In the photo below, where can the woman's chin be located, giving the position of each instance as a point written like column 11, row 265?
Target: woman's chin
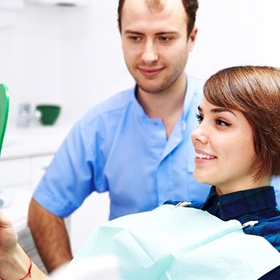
column 201, row 178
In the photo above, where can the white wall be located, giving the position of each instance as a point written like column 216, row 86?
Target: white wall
column 73, row 56
column 64, row 55
column 235, row 32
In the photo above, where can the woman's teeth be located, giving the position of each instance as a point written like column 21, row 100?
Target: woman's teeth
column 204, row 156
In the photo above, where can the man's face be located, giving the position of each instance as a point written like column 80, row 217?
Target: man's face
column 155, row 44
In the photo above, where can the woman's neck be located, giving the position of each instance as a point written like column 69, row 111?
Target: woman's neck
column 249, row 184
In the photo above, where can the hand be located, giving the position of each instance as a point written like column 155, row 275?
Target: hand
column 8, row 238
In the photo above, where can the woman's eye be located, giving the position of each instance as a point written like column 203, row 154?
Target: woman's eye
column 199, row 118
column 222, row 123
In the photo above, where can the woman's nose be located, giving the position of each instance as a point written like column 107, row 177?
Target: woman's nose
column 199, row 135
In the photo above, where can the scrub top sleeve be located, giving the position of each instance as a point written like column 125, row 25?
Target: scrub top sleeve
column 68, row 179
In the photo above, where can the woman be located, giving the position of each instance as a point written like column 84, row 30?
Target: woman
column 238, row 148
column 237, row 144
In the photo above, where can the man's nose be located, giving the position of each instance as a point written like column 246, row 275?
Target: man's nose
column 149, row 54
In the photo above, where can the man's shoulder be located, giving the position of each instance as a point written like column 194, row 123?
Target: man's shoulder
column 196, row 80
column 194, row 93
column 114, row 104
column 195, row 84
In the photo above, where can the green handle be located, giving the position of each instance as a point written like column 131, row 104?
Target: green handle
column 4, row 111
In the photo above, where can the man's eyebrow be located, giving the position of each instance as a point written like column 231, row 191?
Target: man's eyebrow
column 170, row 32
column 162, row 33
column 217, row 110
column 133, row 32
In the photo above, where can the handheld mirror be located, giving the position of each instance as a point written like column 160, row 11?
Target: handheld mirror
column 4, row 110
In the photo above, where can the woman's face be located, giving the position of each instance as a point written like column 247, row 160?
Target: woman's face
column 225, row 155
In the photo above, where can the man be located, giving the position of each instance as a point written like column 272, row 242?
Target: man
column 132, row 144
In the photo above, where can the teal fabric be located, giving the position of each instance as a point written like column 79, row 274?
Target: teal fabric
column 180, row 243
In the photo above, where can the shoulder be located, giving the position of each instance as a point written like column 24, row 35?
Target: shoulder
column 108, row 109
column 117, row 102
column 195, row 84
column 194, row 95
column 269, row 229
column 92, row 135
column 103, row 119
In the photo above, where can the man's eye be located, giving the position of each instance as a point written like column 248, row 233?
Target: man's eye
column 165, row 39
column 134, row 38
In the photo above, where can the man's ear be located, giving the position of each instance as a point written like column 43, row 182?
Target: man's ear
column 192, row 38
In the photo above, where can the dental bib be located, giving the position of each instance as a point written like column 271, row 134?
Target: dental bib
column 180, row 243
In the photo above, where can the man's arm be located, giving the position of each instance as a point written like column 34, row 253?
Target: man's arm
column 50, row 236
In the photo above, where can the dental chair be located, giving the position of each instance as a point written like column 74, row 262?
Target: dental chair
column 4, row 110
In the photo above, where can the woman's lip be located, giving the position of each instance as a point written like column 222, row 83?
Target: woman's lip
column 203, row 157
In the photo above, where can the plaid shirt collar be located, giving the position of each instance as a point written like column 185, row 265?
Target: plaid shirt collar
column 233, row 205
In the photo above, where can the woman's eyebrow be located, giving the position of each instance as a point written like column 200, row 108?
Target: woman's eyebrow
column 216, row 110
column 221, row 110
